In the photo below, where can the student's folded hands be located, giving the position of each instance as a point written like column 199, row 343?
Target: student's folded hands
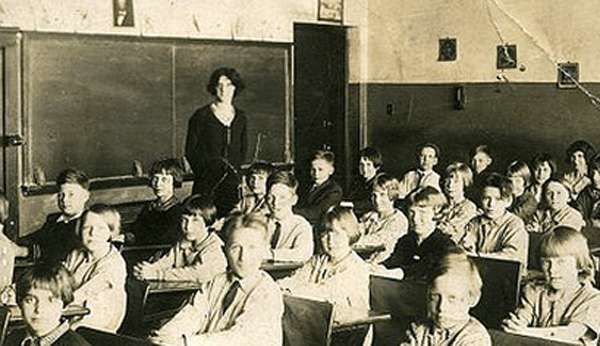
column 144, row 271
column 514, row 324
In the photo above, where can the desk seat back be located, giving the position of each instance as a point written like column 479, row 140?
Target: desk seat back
column 4, row 319
column 100, row 338
column 306, row 322
column 500, row 291
column 500, row 338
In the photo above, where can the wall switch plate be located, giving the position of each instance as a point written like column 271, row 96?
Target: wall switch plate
column 506, row 56
column 572, row 68
column 448, row 49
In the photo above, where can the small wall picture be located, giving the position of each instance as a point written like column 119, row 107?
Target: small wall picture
column 570, row 68
column 331, row 10
column 123, row 13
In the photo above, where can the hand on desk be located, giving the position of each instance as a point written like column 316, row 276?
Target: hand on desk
column 514, row 324
column 144, row 271
column 378, row 269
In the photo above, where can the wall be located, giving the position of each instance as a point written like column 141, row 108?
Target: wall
column 518, row 119
column 258, row 20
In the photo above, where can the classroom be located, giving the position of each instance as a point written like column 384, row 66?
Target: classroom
column 299, row 172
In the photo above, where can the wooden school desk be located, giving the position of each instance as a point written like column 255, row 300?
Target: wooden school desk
column 366, row 251
column 280, row 269
column 500, row 338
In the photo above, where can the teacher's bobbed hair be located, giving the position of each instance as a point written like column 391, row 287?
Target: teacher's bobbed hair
column 232, row 74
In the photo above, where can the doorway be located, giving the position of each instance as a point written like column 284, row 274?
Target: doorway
column 320, row 88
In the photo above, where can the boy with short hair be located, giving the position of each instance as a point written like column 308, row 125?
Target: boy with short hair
column 588, row 201
column 324, row 192
column 454, row 288
column 158, row 222
column 291, row 236
column 369, row 167
column 417, row 252
column 58, row 236
column 497, row 232
column 242, row 306
column 254, row 200
column 198, row 255
column 42, row 293
column 427, row 158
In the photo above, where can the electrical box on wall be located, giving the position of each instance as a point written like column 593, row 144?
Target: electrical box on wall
column 448, row 49
column 568, row 74
column 506, row 56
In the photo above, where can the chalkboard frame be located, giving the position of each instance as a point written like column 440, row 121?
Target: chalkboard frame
column 29, row 186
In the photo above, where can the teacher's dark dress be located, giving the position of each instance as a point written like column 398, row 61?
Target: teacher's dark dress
column 209, row 143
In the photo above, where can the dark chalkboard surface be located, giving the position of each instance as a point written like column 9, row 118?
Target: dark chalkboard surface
column 100, row 102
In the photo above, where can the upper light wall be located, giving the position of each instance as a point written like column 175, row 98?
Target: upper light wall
column 254, row 20
column 403, row 39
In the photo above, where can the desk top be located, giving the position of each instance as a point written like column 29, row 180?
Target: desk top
column 368, row 249
column 172, row 286
column 361, row 318
column 273, row 266
column 68, row 312
column 24, row 263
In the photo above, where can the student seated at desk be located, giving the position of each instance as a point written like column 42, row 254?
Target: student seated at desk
column 544, row 168
column 243, row 306
column 576, row 179
column 58, row 236
column 386, row 224
column 481, row 163
column 198, row 255
column 427, row 158
column 42, row 293
column 369, row 166
column 291, row 236
column 565, row 307
column 524, row 204
column 557, row 210
column 497, row 232
column 324, row 192
column 254, row 200
column 99, row 272
column 460, row 210
column 158, row 222
column 416, row 253
column 338, row 275
column 588, row 201
column 454, row 288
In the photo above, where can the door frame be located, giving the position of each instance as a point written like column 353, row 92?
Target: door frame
column 11, row 50
column 347, row 155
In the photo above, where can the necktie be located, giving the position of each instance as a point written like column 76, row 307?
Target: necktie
column 230, row 295
column 276, row 235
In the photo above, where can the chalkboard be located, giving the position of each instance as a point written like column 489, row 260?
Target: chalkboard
column 99, row 102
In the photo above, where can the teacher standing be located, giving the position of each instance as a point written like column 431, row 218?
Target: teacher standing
column 217, row 142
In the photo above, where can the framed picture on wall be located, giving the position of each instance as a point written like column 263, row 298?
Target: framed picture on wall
column 568, row 74
column 331, row 10
column 123, row 13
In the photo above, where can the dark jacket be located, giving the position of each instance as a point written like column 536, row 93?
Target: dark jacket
column 157, row 227
column 418, row 260
column 314, row 203
column 360, row 195
column 209, row 143
column 588, row 204
column 55, row 240
column 524, row 206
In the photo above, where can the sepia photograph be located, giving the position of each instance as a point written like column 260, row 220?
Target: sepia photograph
column 299, row 173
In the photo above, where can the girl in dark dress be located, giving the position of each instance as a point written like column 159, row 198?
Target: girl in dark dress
column 216, row 141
